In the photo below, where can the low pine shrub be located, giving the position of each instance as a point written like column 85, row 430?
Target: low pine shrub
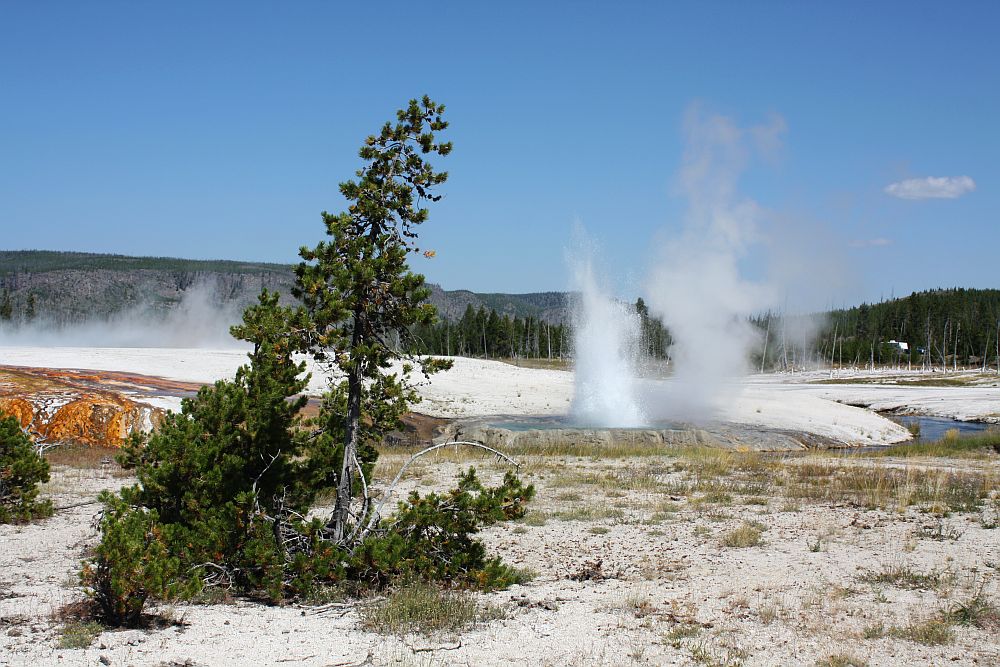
column 21, row 471
column 132, row 563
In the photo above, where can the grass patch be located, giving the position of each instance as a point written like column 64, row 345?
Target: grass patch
column 84, row 457
column 591, row 513
column 637, row 605
column 962, row 381
column 882, row 487
column 873, row 631
column 523, row 575
column 426, row 609
column 769, row 613
column 622, row 448
column 79, row 634
column 978, row 445
column 715, row 497
column 543, row 363
column 902, row 576
column 976, row 611
column 701, row 531
column 933, row 632
column 703, row 654
column 680, row 632
column 747, row 534
column 841, row 660
column 534, row 518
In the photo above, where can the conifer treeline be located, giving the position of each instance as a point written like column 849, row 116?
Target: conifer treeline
column 957, row 327
column 943, row 327
column 485, row 333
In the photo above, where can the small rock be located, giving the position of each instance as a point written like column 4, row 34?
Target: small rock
column 104, row 660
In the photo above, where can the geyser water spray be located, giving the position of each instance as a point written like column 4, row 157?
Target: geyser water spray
column 606, row 343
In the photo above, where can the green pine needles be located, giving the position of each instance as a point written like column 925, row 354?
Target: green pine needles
column 21, row 471
column 226, row 486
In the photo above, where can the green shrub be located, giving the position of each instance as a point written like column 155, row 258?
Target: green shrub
column 131, row 563
column 431, row 537
column 21, row 470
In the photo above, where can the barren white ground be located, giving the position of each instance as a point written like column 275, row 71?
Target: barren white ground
column 476, row 387
column 674, row 594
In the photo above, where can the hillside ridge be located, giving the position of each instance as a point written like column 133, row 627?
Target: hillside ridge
column 69, row 287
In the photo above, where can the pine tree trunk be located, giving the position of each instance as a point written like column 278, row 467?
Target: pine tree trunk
column 345, row 485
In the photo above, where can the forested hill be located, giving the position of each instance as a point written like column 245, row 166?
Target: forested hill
column 948, row 323
column 13, row 262
column 72, row 287
column 67, row 287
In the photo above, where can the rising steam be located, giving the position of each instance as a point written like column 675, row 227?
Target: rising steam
column 696, row 286
column 201, row 319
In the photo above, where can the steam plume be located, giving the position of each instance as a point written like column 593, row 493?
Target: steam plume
column 696, row 287
column 200, row 319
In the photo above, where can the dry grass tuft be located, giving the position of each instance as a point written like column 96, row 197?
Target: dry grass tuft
column 747, row 534
column 426, row 609
column 903, row 576
column 841, row 660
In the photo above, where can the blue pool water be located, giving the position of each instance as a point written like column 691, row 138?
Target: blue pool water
column 934, row 428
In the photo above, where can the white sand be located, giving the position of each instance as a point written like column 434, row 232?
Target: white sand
column 477, row 387
column 980, row 401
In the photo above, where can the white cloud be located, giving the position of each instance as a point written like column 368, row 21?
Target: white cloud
column 871, row 243
column 932, row 187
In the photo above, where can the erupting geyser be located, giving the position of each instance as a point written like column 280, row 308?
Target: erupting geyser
column 607, row 337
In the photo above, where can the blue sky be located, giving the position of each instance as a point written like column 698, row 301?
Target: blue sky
column 221, row 130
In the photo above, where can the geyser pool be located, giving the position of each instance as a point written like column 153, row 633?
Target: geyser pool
column 541, row 433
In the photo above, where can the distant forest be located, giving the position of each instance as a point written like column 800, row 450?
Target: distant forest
column 483, row 332
column 936, row 328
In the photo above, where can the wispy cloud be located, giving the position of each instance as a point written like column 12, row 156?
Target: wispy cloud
column 871, row 243
column 932, row 187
